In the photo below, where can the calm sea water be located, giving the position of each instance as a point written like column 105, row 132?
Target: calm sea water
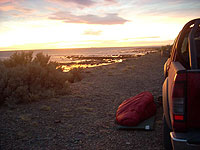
column 68, row 55
column 88, row 57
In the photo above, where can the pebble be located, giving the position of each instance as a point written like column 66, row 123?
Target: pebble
column 57, row 121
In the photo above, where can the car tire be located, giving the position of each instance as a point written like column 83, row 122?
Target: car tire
column 166, row 135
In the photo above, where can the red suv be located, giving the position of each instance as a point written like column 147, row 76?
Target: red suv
column 181, row 91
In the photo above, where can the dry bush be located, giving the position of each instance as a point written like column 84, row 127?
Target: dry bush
column 25, row 79
column 16, row 59
column 75, row 75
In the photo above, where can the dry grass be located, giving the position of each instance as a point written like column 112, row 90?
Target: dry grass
column 128, row 68
column 66, row 110
column 110, row 73
column 84, row 109
column 113, row 66
column 87, row 71
column 68, row 115
column 25, row 117
column 34, row 123
column 45, row 108
column 56, row 99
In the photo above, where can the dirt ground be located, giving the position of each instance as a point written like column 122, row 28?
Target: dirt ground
column 85, row 119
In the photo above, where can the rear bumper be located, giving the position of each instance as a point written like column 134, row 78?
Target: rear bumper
column 185, row 141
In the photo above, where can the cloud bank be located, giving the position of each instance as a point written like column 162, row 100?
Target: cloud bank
column 86, row 3
column 108, row 19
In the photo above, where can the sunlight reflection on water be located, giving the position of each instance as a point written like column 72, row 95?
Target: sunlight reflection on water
column 67, row 68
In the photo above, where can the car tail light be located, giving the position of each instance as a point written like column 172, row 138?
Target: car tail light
column 178, row 102
column 178, row 117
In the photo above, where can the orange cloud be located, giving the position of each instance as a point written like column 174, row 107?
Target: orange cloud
column 92, row 32
column 5, row 1
column 14, row 5
column 52, row 9
column 7, row 8
column 16, row 8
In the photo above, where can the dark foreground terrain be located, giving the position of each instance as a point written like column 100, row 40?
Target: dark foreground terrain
column 85, row 119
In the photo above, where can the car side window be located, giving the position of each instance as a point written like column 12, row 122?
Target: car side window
column 173, row 50
column 184, row 53
column 197, row 44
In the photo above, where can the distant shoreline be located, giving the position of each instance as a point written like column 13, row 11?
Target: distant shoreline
column 89, row 52
column 10, row 50
column 87, row 58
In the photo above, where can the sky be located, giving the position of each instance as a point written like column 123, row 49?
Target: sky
column 55, row 24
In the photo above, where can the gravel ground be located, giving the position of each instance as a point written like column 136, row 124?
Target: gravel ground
column 84, row 119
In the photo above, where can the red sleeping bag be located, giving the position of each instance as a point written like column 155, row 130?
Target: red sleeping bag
column 136, row 109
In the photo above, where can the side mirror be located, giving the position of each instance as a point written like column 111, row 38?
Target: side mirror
column 166, row 67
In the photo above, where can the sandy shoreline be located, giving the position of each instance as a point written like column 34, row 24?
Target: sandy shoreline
column 85, row 118
column 96, row 61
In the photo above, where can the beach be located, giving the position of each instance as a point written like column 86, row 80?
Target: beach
column 85, row 119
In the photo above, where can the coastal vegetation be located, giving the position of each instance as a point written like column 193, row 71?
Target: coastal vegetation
column 26, row 78
column 165, row 50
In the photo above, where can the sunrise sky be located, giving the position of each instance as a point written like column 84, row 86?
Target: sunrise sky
column 52, row 24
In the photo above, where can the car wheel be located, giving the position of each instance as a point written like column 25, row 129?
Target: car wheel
column 166, row 135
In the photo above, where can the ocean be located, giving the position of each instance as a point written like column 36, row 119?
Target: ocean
column 88, row 57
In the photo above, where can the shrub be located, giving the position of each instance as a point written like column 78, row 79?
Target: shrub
column 75, row 75
column 21, row 58
column 41, row 59
column 25, row 79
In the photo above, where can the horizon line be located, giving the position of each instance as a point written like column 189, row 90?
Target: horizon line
column 149, row 46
